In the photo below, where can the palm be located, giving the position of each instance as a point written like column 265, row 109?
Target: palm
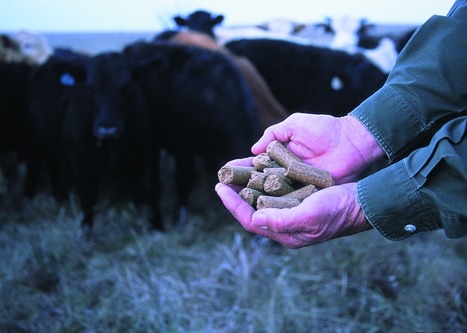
column 322, row 141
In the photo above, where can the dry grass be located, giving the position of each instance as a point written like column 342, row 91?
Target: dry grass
column 211, row 276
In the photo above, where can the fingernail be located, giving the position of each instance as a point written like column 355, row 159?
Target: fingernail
column 219, row 187
column 259, row 219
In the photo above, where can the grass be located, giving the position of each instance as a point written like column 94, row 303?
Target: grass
column 209, row 275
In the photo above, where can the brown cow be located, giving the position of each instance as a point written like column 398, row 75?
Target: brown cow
column 270, row 111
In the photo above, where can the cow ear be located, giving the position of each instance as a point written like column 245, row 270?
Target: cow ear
column 218, row 20
column 71, row 72
column 365, row 26
column 181, row 22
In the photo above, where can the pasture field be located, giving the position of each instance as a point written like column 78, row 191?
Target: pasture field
column 209, row 275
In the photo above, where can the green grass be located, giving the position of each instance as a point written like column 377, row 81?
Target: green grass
column 211, row 276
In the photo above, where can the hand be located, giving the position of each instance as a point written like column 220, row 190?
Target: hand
column 342, row 146
column 327, row 214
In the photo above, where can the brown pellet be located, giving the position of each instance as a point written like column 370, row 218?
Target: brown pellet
column 250, row 195
column 276, row 186
column 256, row 180
column 307, row 174
column 302, row 193
column 265, row 201
column 279, row 153
column 239, row 175
column 279, row 171
column 263, row 161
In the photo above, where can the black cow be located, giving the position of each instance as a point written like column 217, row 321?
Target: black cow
column 113, row 147
column 14, row 134
column 13, row 95
column 49, row 86
column 94, row 127
column 311, row 79
column 201, row 21
column 201, row 107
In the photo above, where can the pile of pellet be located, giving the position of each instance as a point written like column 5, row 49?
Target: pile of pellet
column 277, row 179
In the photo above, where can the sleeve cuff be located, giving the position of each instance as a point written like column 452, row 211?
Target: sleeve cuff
column 390, row 203
column 401, row 123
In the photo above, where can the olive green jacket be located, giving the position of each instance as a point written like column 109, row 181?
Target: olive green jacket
column 419, row 117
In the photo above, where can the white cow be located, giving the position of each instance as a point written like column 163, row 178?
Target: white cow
column 276, row 29
column 340, row 33
column 33, row 46
column 344, row 33
column 384, row 56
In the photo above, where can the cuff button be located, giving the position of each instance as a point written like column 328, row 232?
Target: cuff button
column 410, row 228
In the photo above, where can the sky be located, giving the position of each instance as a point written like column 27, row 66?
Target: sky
column 155, row 15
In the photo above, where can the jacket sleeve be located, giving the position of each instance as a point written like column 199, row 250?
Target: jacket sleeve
column 425, row 96
column 426, row 87
column 423, row 192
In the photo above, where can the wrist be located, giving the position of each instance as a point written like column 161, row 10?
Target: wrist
column 365, row 144
column 356, row 216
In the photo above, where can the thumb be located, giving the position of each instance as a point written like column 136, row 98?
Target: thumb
column 268, row 136
column 260, row 219
column 261, row 145
column 270, row 219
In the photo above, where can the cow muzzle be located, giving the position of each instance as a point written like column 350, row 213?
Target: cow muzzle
column 103, row 133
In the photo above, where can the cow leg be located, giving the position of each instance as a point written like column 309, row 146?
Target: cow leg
column 9, row 167
column 155, row 219
column 88, row 198
column 152, row 186
column 33, row 169
column 146, row 193
column 184, row 181
column 155, row 215
column 85, row 183
column 150, row 201
column 56, row 179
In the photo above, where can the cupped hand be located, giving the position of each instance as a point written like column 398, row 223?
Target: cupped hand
column 327, row 214
column 342, row 146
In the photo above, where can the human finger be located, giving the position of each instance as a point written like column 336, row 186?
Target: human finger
column 238, row 207
column 247, row 161
column 277, row 132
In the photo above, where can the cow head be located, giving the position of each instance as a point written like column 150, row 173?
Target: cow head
column 34, row 46
column 200, row 21
column 10, row 50
column 113, row 94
